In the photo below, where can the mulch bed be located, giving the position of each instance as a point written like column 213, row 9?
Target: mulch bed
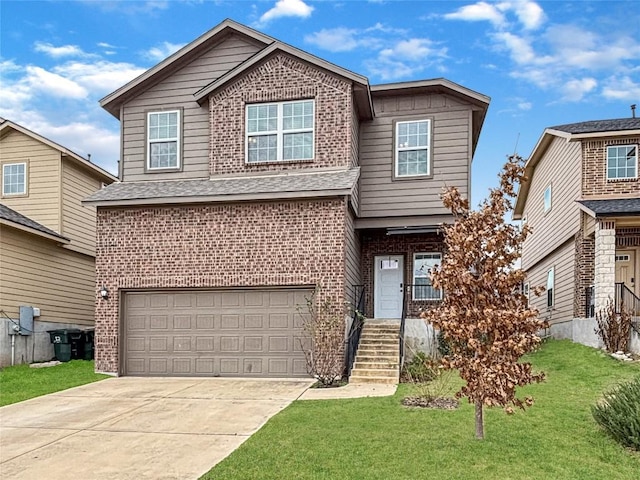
column 442, row 403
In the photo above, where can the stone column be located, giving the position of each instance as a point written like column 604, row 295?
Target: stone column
column 605, row 263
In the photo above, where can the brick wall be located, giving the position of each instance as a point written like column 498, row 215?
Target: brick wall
column 377, row 242
column 584, row 269
column 280, row 78
column 249, row 244
column 594, row 169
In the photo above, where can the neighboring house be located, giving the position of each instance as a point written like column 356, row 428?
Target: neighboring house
column 253, row 172
column 582, row 200
column 47, row 239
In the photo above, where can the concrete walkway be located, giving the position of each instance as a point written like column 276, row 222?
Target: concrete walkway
column 351, row 390
column 137, row 428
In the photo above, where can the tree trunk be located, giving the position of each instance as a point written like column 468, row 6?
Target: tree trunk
column 479, row 421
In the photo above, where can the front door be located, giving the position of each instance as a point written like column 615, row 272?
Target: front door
column 388, row 283
column 625, row 268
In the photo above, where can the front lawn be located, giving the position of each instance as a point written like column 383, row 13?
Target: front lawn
column 378, row 438
column 21, row 382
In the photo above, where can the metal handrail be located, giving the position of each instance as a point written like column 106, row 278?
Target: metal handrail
column 626, row 299
column 353, row 338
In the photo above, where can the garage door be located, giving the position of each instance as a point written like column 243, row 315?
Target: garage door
column 249, row 333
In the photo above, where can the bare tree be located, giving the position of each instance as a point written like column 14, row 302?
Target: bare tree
column 484, row 317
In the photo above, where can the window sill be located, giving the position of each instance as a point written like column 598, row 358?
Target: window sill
column 14, row 195
column 403, row 178
column 622, row 180
column 163, row 170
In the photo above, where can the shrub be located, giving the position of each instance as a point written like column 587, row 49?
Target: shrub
column 614, row 329
column 420, row 369
column 619, row 413
column 444, row 348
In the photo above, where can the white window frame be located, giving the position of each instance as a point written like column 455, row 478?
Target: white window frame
column 279, row 132
column 437, row 256
column 176, row 139
column 525, row 292
column 616, row 168
column 547, row 199
column 399, row 148
column 24, row 179
column 551, row 293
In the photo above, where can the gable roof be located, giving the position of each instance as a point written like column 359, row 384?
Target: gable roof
column 112, row 102
column 611, row 208
column 14, row 219
column 230, row 189
column 571, row 132
column 105, row 176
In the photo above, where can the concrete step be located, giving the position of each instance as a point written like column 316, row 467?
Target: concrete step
column 373, row 357
column 377, row 352
column 377, row 380
column 374, row 372
column 377, row 340
column 376, row 365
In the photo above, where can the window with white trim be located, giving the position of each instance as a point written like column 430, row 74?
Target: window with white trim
column 547, row 199
column 525, row 292
column 622, row 162
column 423, row 264
column 413, row 140
column 14, row 178
column 163, row 140
column 281, row 131
column 550, row 287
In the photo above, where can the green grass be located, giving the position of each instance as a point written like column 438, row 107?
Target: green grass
column 378, row 438
column 21, row 382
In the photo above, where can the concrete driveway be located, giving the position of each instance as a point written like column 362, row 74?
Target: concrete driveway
column 134, row 428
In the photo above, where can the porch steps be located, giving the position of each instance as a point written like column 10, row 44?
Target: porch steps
column 377, row 356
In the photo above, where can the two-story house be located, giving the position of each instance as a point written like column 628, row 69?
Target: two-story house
column 47, row 241
column 252, row 173
column 582, row 200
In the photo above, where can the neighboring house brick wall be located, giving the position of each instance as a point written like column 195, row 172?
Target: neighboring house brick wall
column 230, row 245
column 377, row 242
column 281, row 78
column 594, row 171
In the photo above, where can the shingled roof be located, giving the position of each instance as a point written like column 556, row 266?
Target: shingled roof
column 613, row 207
column 289, row 185
column 596, row 126
column 11, row 217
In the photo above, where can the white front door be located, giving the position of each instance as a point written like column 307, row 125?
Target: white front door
column 388, row 285
column 625, row 268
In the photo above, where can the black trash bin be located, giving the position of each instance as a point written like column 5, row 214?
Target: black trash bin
column 89, row 336
column 66, row 343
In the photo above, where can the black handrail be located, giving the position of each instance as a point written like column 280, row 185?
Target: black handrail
column 590, row 305
column 626, row 299
column 353, row 338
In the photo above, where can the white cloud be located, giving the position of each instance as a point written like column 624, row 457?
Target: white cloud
column 414, row 49
column 574, row 90
column 100, row 77
column 338, row 39
column 286, row 8
column 53, row 84
column 407, row 58
column 530, row 14
column 524, row 106
column 162, row 51
column 480, row 11
column 61, row 51
column 621, row 88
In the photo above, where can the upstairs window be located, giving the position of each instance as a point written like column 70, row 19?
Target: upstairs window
column 547, row 199
column 622, row 162
column 413, row 148
column 423, row 264
column 14, row 179
column 280, row 131
column 163, row 140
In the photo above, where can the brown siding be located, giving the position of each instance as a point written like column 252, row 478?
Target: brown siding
column 380, row 194
column 43, row 164
column 559, row 167
column 78, row 221
column 563, row 260
column 236, row 245
column 177, row 91
column 594, row 177
column 42, row 274
column 280, row 78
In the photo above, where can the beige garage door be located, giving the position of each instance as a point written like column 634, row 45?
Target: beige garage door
column 249, row 333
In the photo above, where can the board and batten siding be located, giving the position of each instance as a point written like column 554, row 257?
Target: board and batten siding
column 40, row 273
column 78, row 221
column 176, row 91
column 43, row 202
column 560, row 168
column 563, row 261
column 383, row 196
column 352, row 257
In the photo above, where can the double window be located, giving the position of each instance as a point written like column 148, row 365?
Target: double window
column 423, row 264
column 413, row 150
column 280, row 131
column 14, row 179
column 622, row 162
column 163, row 140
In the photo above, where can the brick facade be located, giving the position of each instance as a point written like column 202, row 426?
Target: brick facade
column 231, row 245
column 377, row 242
column 280, row 78
column 594, row 169
column 584, row 271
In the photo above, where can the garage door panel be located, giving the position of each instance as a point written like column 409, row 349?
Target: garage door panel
column 233, row 333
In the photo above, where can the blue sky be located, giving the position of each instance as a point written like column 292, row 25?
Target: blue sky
column 542, row 63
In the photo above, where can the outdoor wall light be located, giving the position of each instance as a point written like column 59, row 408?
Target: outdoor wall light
column 104, row 293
